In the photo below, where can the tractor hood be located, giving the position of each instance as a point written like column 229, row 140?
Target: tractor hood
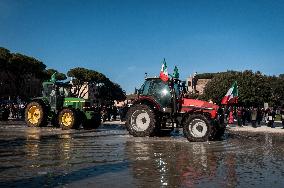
column 194, row 103
column 73, row 99
column 189, row 105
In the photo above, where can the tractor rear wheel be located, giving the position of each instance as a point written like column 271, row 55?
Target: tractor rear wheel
column 92, row 123
column 197, row 128
column 140, row 121
column 36, row 114
column 68, row 119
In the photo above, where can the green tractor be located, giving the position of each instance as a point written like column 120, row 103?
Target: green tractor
column 61, row 109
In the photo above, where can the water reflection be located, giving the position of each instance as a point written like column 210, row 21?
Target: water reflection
column 32, row 133
column 49, row 156
column 52, row 151
column 65, row 147
column 231, row 163
column 31, row 146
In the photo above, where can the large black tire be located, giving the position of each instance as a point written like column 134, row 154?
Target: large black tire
column 68, row 119
column 55, row 120
column 36, row 114
column 140, row 121
column 5, row 115
column 219, row 132
column 93, row 123
column 197, row 128
column 218, row 129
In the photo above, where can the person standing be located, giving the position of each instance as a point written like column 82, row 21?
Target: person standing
column 239, row 116
column 230, row 116
column 282, row 116
column 259, row 116
column 253, row 117
column 109, row 111
column 244, row 116
column 271, row 118
column 114, row 113
column 221, row 115
column 104, row 113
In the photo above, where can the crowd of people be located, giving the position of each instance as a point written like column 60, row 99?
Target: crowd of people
column 112, row 113
column 12, row 111
column 242, row 115
column 254, row 116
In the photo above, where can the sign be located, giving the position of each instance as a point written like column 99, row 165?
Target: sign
column 265, row 106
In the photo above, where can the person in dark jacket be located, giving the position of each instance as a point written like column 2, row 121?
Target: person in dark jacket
column 271, row 118
column 244, row 116
column 259, row 115
column 239, row 116
column 282, row 116
column 253, row 117
column 114, row 113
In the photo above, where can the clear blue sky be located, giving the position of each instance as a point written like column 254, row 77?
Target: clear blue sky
column 124, row 39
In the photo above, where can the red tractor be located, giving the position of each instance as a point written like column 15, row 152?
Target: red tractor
column 163, row 105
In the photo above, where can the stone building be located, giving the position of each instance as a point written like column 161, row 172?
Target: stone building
column 88, row 91
column 196, row 85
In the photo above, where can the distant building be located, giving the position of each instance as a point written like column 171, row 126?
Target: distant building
column 196, row 85
column 128, row 100
column 88, row 91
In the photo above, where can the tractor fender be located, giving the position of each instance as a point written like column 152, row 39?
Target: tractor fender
column 44, row 102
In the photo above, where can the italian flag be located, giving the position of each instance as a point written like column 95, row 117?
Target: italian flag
column 232, row 95
column 164, row 72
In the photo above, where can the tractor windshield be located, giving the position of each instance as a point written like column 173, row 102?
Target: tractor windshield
column 157, row 89
column 48, row 88
column 63, row 91
column 57, row 89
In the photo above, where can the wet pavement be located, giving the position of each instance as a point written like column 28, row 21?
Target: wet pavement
column 109, row 157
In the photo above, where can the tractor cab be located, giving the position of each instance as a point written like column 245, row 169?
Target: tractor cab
column 55, row 92
column 166, row 94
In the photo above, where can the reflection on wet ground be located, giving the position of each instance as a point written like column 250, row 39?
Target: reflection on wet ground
column 109, row 157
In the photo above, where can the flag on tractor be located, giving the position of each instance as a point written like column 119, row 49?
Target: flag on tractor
column 176, row 73
column 53, row 78
column 232, row 95
column 164, row 72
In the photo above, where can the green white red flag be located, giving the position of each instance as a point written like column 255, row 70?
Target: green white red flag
column 232, row 95
column 164, row 72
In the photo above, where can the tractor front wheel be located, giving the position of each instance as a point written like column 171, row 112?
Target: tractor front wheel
column 140, row 121
column 36, row 114
column 68, row 119
column 197, row 128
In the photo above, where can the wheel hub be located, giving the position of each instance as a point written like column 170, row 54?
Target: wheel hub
column 198, row 128
column 141, row 120
column 67, row 119
column 34, row 114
